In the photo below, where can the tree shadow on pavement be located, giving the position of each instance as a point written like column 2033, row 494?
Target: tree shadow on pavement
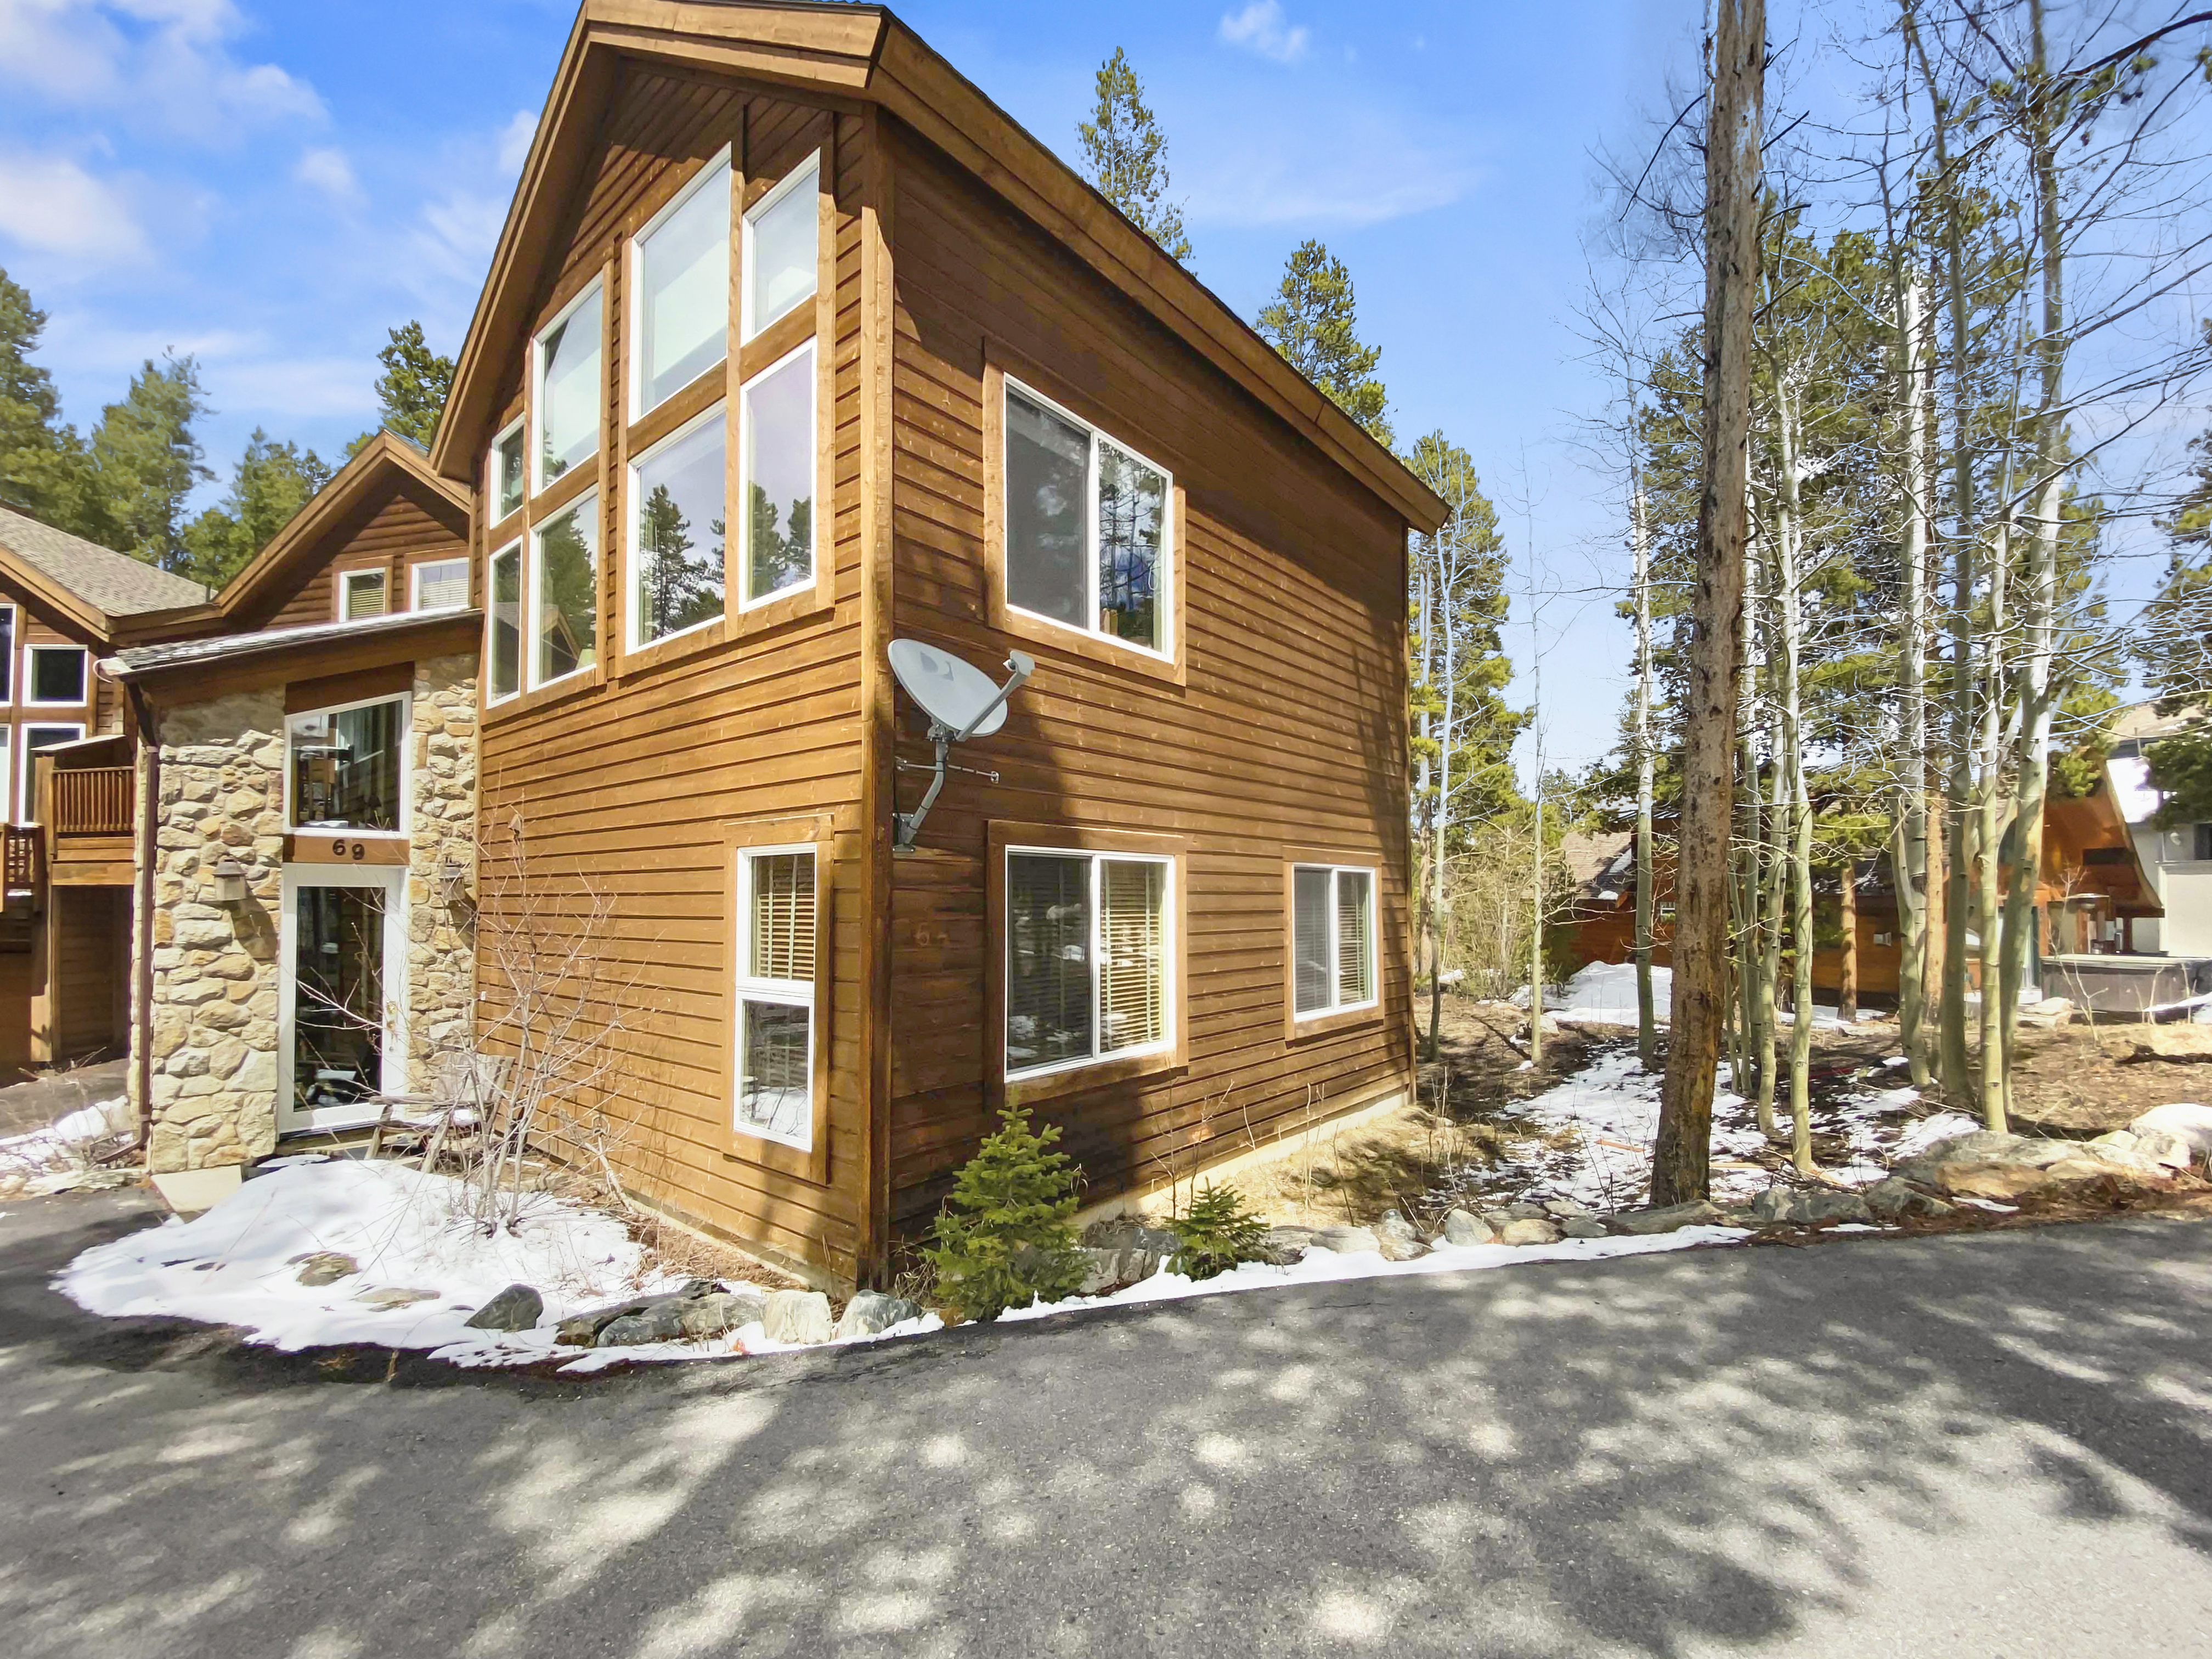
column 1769, row 1450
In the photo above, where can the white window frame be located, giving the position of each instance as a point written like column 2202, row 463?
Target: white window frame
column 748, row 324
column 585, row 503
column 8, row 658
column 415, row 582
column 633, row 271
column 8, row 768
column 19, row 748
column 348, row 577
column 406, row 737
column 1163, row 579
column 1170, row 947
column 634, row 504
column 519, row 424
column 804, row 349
column 30, row 679
column 393, row 880
column 1336, row 943
column 782, row 993
column 520, row 548
column 533, row 440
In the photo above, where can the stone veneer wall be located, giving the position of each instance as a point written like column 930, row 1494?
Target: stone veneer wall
column 215, row 1003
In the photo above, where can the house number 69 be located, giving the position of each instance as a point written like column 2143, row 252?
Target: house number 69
column 355, row 850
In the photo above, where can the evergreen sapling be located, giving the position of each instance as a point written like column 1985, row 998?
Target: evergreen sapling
column 1003, row 1238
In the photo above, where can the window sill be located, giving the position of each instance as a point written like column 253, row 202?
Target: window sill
column 672, row 648
column 1099, row 648
column 1099, row 1074
column 796, row 604
column 546, row 696
column 1297, row 1029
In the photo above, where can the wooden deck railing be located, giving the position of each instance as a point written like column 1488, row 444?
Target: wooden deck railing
column 93, row 800
column 23, row 850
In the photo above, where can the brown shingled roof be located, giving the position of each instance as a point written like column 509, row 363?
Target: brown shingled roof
column 112, row 582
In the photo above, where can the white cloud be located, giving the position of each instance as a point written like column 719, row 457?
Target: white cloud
column 1358, row 167
column 329, row 171
column 50, row 203
column 514, row 141
column 1260, row 27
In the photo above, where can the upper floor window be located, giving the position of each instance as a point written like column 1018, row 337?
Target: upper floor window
column 1086, row 525
column 566, row 407
column 776, row 434
column 503, row 624
column 676, row 493
column 508, row 480
column 7, row 656
column 682, row 262
column 361, row 594
column 2202, row 835
column 36, row 738
column 439, row 585
column 343, row 765
column 1332, row 942
column 564, row 593
column 55, row 676
column 777, row 948
column 1087, row 955
column 782, row 248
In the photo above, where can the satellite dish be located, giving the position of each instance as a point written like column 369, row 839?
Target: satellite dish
column 953, row 693
column 961, row 703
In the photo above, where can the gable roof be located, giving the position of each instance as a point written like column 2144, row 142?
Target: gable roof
column 382, row 459
column 102, row 583
column 864, row 53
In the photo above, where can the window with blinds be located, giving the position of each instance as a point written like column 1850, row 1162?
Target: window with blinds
column 361, row 594
column 1086, row 957
column 1331, row 938
column 776, row 950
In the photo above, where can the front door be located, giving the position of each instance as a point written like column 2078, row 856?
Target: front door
column 339, row 1036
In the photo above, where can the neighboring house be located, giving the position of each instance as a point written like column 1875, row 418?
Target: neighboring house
column 2177, row 859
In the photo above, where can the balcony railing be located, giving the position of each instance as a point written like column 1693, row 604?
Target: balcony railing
column 92, row 800
column 22, row 853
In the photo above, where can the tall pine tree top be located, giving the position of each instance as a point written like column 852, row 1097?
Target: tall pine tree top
column 1125, row 156
column 1312, row 321
column 410, row 393
column 44, row 469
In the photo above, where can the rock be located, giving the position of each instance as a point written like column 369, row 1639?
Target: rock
column 1892, row 1200
column 1529, row 1230
column 1495, row 1219
column 1560, row 1208
column 1825, row 1205
column 324, row 1268
column 797, row 1316
column 717, row 1313
column 1525, row 1212
column 1463, row 1228
column 659, row 1321
column 871, row 1311
column 1129, row 1233
column 1982, row 1146
column 1395, row 1237
column 2075, row 1173
column 517, row 1308
column 384, row 1300
column 588, row 1328
column 2155, row 1155
column 1108, row 1269
column 2191, row 1122
column 2003, row 1183
column 1347, row 1241
column 1697, row 1213
column 1584, row 1226
column 2051, row 1012
column 1776, row 1206
column 1284, row 1245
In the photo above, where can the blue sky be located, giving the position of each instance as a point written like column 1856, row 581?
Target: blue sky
column 272, row 186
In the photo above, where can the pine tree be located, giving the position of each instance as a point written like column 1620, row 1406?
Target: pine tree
column 147, row 459
column 44, row 469
column 410, row 393
column 1313, row 322
column 1003, row 1239
column 1125, row 156
column 1216, row 1233
column 271, row 482
column 675, row 591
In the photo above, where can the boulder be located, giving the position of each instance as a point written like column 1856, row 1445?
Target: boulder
column 517, row 1308
column 2073, row 1175
column 660, row 1321
column 1462, row 1227
column 1529, row 1230
column 324, row 1268
column 2051, row 1012
column 1892, row 1200
column 797, row 1316
column 1284, row 1246
column 1584, row 1226
column 588, row 1328
column 871, row 1312
column 1106, row 1268
column 1776, row 1206
column 1129, row 1233
column 1395, row 1237
column 1697, row 1213
column 2001, row 1183
column 1526, row 1212
column 390, row 1296
column 1825, row 1205
column 717, row 1313
column 2191, row 1122
column 1346, row 1241
column 1560, row 1208
column 1982, row 1146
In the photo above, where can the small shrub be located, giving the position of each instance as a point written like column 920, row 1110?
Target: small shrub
column 1216, row 1233
column 1002, row 1238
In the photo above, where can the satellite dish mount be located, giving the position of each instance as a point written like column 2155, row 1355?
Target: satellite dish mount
column 961, row 703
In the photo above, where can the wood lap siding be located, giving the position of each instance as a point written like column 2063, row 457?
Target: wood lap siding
column 408, row 526
column 1288, row 734
column 636, row 786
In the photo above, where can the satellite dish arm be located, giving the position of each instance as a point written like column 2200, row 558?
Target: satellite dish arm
column 1024, row 666
column 908, row 825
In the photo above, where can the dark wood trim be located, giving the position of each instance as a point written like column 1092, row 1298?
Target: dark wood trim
column 330, row 691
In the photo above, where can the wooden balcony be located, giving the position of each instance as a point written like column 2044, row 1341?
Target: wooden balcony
column 84, row 815
column 93, row 801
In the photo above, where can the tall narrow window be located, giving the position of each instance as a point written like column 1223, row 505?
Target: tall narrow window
column 683, row 265
column 7, row 657
column 55, row 676
column 676, row 497
column 782, row 252
column 361, row 594
column 776, row 945
column 1087, row 955
column 439, row 585
column 507, row 477
column 776, row 434
column 564, row 588
column 344, row 765
column 504, row 623
column 567, row 406
column 1332, row 938
column 1086, row 525
column 36, row 738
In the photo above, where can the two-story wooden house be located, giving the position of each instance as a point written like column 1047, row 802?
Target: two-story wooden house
column 794, row 344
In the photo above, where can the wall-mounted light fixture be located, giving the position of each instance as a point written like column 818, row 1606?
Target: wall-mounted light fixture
column 452, row 881
column 230, row 882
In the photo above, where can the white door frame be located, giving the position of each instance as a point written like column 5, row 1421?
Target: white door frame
column 393, row 879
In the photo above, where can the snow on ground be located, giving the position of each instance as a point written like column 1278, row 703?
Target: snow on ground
column 63, row 1143
column 1604, row 994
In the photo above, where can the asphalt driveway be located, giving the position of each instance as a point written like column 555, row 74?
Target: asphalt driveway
column 1999, row 1444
